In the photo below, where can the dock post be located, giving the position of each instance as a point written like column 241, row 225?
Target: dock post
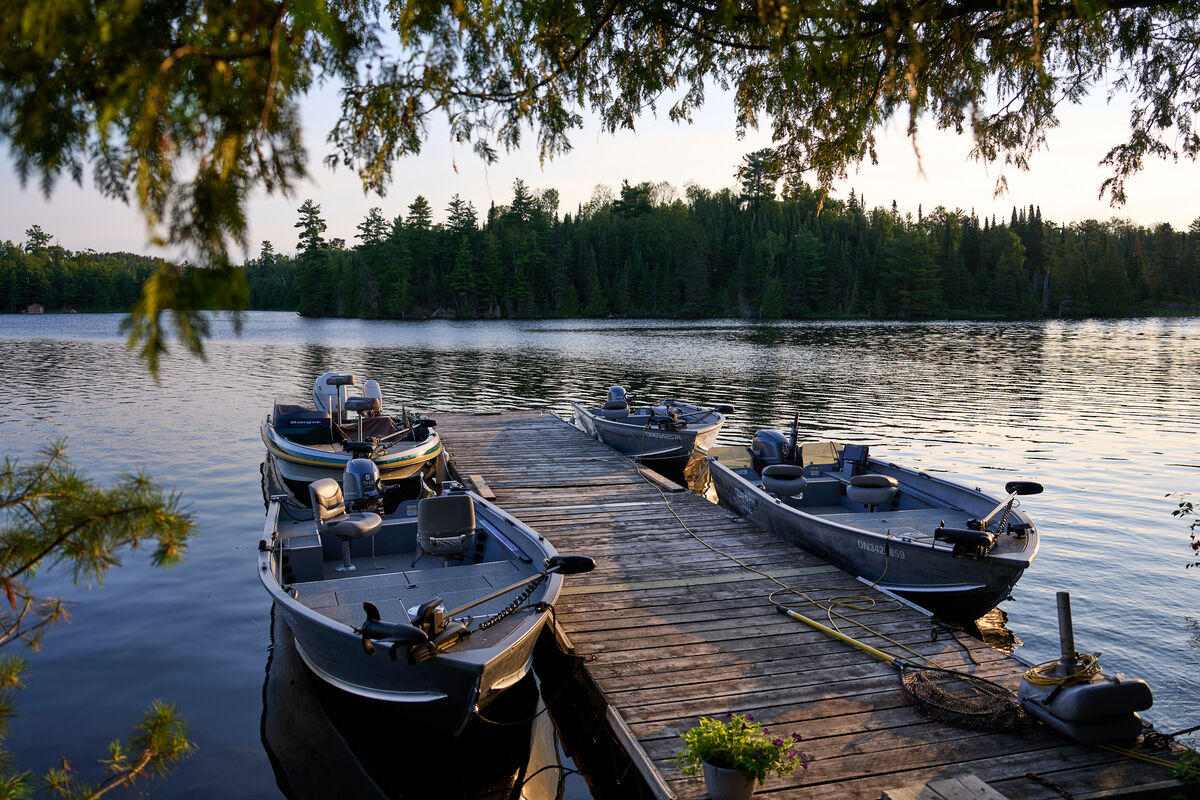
column 1066, row 636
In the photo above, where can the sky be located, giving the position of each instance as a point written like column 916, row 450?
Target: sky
column 1064, row 178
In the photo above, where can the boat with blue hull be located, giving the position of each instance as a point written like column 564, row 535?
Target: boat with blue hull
column 345, row 419
column 666, row 433
column 435, row 606
column 951, row 549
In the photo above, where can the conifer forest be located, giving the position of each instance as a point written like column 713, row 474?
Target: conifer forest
column 650, row 250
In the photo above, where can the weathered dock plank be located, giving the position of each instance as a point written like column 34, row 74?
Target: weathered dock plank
column 671, row 629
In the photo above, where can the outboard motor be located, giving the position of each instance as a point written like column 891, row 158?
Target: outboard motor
column 360, row 484
column 617, row 399
column 767, row 448
column 371, row 389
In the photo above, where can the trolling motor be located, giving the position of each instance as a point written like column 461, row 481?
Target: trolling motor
column 392, row 634
column 434, row 629
column 979, row 537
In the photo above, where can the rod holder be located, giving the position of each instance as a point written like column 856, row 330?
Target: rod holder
column 1066, row 635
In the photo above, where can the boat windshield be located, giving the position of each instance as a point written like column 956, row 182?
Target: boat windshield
column 819, row 453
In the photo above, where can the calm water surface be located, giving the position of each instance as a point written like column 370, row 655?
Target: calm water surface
column 1102, row 413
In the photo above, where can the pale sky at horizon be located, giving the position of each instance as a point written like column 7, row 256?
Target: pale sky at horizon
column 1064, row 180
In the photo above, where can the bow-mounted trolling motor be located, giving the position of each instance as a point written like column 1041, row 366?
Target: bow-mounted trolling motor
column 391, row 634
column 434, row 629
column 965, row 540
column 666, row 418
column 980, row 535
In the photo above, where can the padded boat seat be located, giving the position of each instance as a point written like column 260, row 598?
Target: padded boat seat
column 871, row 490
column 784, row 480
column 329, row 510
column 445, row 525
column 362, row 404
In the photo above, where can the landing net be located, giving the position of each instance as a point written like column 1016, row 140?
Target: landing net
column 961, row 700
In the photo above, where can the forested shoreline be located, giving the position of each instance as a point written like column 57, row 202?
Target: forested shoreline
column 58, row 279
column 648, row 251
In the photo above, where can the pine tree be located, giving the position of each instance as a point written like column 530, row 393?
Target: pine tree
column 311, row 227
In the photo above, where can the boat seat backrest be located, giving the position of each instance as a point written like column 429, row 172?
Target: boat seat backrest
column 331, row 516
column 327, row 500
column 446, row 525
column 362, row 405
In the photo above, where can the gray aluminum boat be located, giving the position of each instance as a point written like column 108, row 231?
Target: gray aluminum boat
column 948, row 548
column 436, row 606
column 668, row 432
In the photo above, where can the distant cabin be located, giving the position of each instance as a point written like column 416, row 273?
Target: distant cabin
column 35, row 308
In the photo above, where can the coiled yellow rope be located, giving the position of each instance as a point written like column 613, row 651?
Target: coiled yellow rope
column 1040, row 674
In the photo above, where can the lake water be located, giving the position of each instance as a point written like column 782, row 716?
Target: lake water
column 1103, row 413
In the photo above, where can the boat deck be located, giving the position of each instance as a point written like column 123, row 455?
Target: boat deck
column 389, row 583
column 670, row 630
column 914, row 523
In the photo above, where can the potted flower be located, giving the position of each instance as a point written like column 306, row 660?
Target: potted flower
column 736, row 753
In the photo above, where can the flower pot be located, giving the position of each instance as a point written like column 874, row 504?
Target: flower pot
column 727, row 784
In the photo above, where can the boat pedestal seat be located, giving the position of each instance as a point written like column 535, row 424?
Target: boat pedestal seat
column 871, row 490
column 445, row 526
column 615, row 409
column 329, row 510
column 784, row 480
column 362, row 405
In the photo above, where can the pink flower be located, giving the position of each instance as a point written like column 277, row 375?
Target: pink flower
column 778, row 742
column 750, row 717
column 796, row 737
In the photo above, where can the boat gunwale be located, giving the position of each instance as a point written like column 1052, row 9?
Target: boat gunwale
column 279, row 444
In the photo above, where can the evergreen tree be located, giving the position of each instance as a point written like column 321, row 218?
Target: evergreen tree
column 373, row 229
column 311, row 226
column 36, row 238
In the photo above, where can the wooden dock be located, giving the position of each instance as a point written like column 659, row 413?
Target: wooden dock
column 671, row 630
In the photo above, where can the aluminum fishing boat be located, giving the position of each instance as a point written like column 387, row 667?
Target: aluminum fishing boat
column 951, row 549
column 436, row 606
column 668, row 432
column 316, row 440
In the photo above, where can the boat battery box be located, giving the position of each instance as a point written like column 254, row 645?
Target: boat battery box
column 302, row 425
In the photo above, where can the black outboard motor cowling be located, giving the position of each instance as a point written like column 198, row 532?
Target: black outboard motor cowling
column 617, row 399
column 360, row 483
column 767, row 448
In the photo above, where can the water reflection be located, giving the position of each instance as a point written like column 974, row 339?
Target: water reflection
column 324, row 743
column 1103, row 413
